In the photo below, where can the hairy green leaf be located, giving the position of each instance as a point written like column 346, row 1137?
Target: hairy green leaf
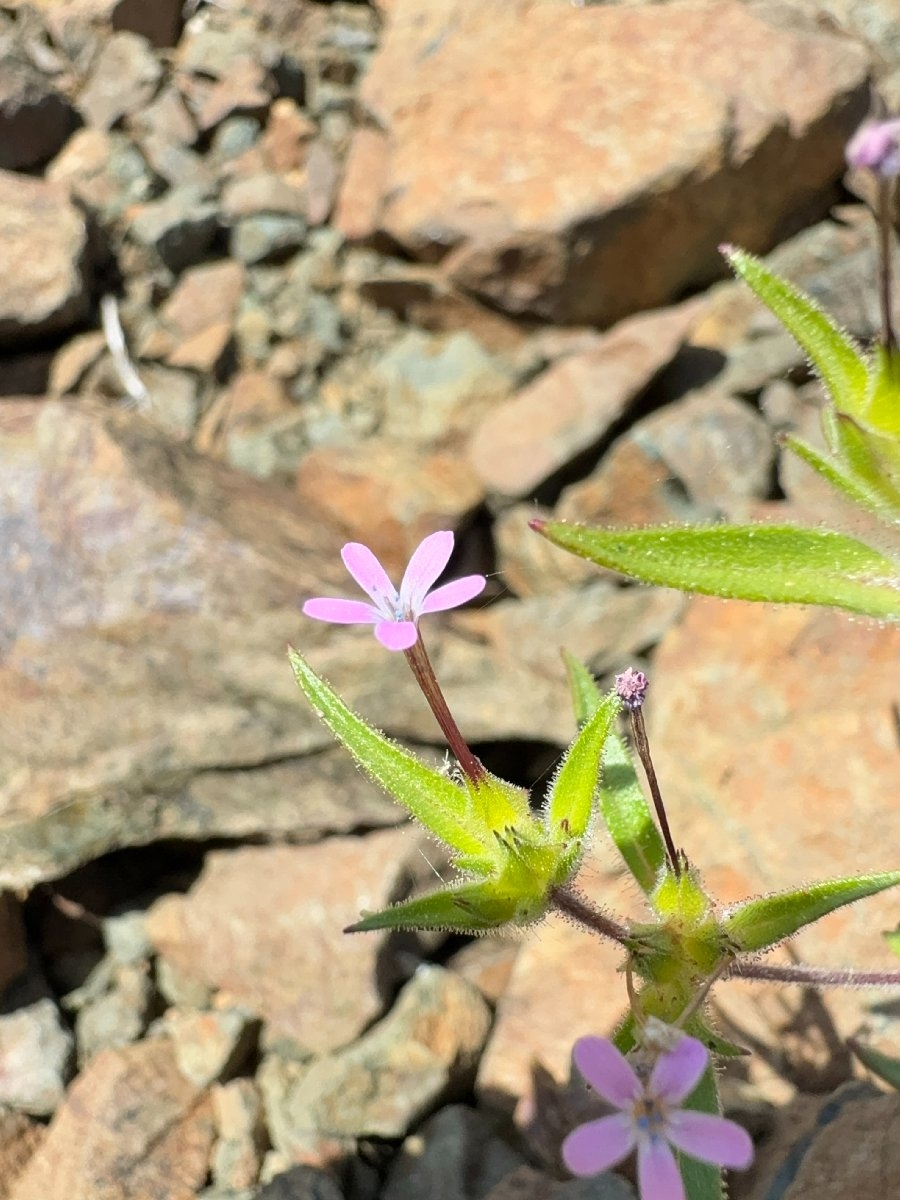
column 782, row 564
column 702, row 1181
column 570, row 801
column 586, row 695
column 834, row 354
column 627, row 815
column 879, row 1064
column 436, row 802
column 758, row 924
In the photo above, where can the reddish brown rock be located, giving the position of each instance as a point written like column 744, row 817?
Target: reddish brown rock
column 568, row 408
column 44, row 259
column 774, row 736
column 386, row 494
column 265, row 923
column 20, row 1137
column 656, row 132
column 130, row 1126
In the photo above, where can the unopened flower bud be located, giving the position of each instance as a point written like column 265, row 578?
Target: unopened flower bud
column 876, row 147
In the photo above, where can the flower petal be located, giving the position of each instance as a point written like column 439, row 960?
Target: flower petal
column 658, row 1175
column 371, row 576
column 678, row 1072
column 451, row 595
column 428, row 560
column 607, row 1070
column 341, row 612
column 710, row 1138
column 598, row 1145
column 396, row 635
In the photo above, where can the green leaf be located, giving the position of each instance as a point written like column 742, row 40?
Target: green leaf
column 435, row 801
column 834, row 354
column 873, row 457
column 570, row 801
column 879, row 1064
column 758, row 924
column 882, row 409
column 837, row 474
column 465, row 908
column 586, row 695
column 892, row 937
column 628, row 818
column 702, row 1181
column 782, row 564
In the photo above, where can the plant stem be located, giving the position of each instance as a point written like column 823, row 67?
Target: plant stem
column 417, row 657
column 639, row 729
column 884, row 218
column 821, row 977
column 587, row 915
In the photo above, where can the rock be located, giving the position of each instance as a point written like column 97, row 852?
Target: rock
column 246, row 90
column 573, row 405
column 74, row 360
column 790, row 761
column 13, row 948
column 35, row 119
column 119, row 1016
column 387, row 494
column 129, row 1126
column 123, row 79
column 422, row 1054
column 254, row 426
column 205, row 297
column 528, row 1184
column 36, row 1057
column 437, row 386
column 240, row 1124
column 190, row 574
column 125, row 936
column 322, row 177
column 166, row 133
column 718, row 448
column 173, row 403
column 265, row 923
column 44, row 260
column 19, row 1138
column 441, row 181
column 179, row 228
column 601, row 624
column 457, row 1155
column 285, row 140
column 160, row 23
column 211, row 1046
column 104, row 172
column 487, row 963
column 267, row 238
column 301, row 1183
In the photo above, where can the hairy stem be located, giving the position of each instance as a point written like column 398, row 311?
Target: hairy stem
column 587, row 915
column 417, row 657
column 821, row 977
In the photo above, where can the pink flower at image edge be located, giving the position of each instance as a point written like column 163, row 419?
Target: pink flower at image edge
column 651, row 1119
column 395, row 614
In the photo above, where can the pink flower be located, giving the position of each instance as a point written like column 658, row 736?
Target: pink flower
column 651, row 1118
column 395, row 614
column 876, row 146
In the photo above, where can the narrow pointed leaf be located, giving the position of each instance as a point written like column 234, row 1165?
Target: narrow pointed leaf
column 761, row 923
column 782, row 564
column 837, row 475
column 435, row 801
column 879, row 1064
column 873, row 457
column 702, row 1181
column 586, row 695
column 627, row 815
column 467, row 908
column 570, row 802
column 834, row 354
column 882, row 411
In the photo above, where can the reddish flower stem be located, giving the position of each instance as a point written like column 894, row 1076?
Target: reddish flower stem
column 420, row 663
column 884, row 219
column 642, row 745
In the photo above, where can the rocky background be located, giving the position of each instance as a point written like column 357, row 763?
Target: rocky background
column 275, row 274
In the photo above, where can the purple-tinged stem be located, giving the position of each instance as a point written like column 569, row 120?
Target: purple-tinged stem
column 417, row 657
column 821, row 977
column 642, row 745
column 884, row 219
column 587, row 915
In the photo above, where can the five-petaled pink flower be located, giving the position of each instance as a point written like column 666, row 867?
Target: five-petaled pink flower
column 651, row 1118
column 394, row 614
